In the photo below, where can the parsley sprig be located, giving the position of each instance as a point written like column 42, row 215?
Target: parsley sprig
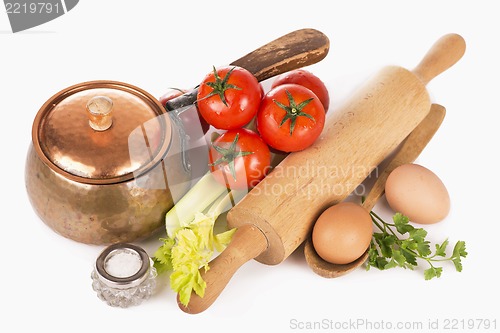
column 389, row 250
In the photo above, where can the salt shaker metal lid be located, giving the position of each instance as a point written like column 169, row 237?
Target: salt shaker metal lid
column 123, row 275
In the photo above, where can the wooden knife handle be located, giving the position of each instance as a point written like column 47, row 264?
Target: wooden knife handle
column 247, row 243
column 442, row 55
column 292, row 51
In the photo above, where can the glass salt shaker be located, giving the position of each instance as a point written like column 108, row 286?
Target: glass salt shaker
column 123, row 275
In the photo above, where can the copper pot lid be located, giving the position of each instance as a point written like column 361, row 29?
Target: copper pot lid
column 101, row 132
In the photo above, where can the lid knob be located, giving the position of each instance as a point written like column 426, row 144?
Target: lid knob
column 99, row 112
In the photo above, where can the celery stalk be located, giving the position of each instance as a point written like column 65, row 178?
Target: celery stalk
column 190, row 242
column 200, row 197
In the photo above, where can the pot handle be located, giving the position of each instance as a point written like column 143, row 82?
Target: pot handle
column 181, row 131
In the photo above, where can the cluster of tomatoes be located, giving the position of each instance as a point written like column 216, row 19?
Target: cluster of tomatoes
column 288, row 118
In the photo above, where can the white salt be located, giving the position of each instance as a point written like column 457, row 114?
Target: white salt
column 123, row 263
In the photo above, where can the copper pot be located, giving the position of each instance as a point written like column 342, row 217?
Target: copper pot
column 101, row 186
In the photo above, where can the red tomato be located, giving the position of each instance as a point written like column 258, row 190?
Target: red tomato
column 229, row 97
column 290, row 117
column 190, row 117
column 239, row 159
column 308, row 80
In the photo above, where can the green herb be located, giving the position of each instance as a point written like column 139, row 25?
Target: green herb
column 389, row 250
column 190, row 241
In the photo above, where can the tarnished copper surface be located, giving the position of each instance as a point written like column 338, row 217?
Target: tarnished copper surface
column 104, row 187
column 67, row 143
column 96, row 214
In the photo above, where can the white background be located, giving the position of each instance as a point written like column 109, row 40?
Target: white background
column 45, row 278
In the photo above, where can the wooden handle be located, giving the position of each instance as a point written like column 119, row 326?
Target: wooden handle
column 294, row 50
column 247, row 243
column 411, row 148
column 442, row 55
column 413, row 145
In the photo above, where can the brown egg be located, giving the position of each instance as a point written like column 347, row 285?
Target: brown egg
column 342, row 233
column 418, row 193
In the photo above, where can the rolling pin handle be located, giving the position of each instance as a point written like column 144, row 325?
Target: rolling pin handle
column 247, row 243
column 442, row 55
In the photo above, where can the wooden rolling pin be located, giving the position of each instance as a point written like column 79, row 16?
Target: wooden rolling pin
column 275, row 217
